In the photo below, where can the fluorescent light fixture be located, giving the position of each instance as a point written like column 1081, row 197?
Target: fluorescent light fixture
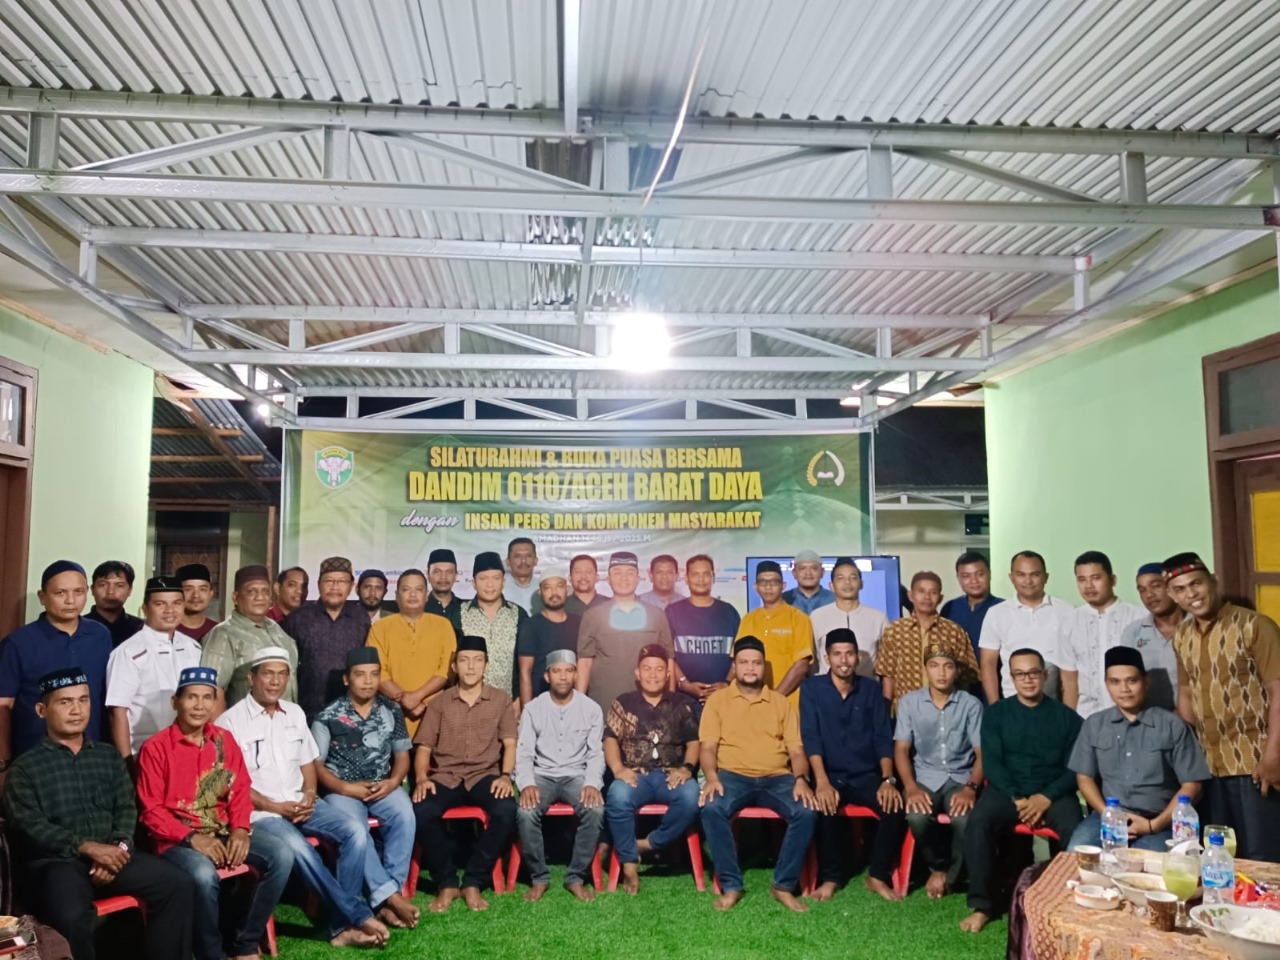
column 851, row 401
column 262, row 410
column 640, row 342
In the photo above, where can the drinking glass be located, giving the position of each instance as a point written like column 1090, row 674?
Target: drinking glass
column 1181, row 878
column 1228, row 835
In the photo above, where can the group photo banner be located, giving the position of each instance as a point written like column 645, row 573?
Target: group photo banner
column 388, row 500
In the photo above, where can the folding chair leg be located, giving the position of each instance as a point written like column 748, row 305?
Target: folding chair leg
column 597, row 880
column 513, row 866
column 498, row 885
column 695, row 859
column 411, row 882
column 269, row 937
column 902, row 874
column 809, row 872
column 615, row 871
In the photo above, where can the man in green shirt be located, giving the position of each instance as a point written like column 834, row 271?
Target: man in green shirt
column 231, row 645
column 1027, row 741
column 72, row 814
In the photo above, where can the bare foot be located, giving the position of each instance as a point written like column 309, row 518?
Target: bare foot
column 444, row 900
column 881, row 889
column 405, row 911
column 376, row 928
column 351, row 937
column 937, row 887
column 581, row 891
column 825, row 892
column 631, row 878
column 788, row 900
column 727, row 901
column 644, row 846
column 391, row 918
column 536, row 892
column 474, row 900
column 974, row 921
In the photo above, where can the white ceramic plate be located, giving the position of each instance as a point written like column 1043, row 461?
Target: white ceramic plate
column 1220, row 919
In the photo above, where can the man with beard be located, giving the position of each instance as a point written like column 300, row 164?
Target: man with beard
column 233, row 643
column 112, row 585
column 703, row 629
column 497, row 619
column 584, row 574
column 415, row 649
column 442, row 574
column 371, row 593
column 325, row 631
column 808, row 594
column 197, row 593
column 549, row 629
column 291, row 589
column 1152, row 636
column 1092, row 630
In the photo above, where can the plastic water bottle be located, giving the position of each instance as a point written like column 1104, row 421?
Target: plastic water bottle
column 1115, row 832
column 1218, row 872
column 1186, row 822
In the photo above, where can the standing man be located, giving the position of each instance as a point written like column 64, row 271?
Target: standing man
column 549, row 629
column 651, row 746
column 56, row 640
column 492, row 616
column 808, row 594
column 783, row 629
column 324, row 632
column 559, row 757
column 72, row 814
column 1032, row 619
column 943, row 727
column 371, row 592
column 1027, row 741
column 233, row 643
column 848, row 738
column 613, row 634
column 973, row 573
column 197, row 593
column 1229, row 691
column 194, row 793
column 1144, row 756
column 867, row 623
column 112, row 585
column 415, row 649
column 144, row 668
column 584, row 573
column 664, row 571
column 751, row 753
column 1152, row 636
column 901, row 663
column 442, row 574
column 292, row 587
column 522, row 558
column 1092, row 630
column 466, row 752
column 703, row 629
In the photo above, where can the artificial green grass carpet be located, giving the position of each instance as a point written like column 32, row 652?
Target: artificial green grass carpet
column 670, row 920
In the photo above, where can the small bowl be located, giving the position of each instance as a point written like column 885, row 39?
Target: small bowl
column 1219, row 920
column 1130, row 860
column 1098, row 898
column 1095, row 879
column 1135, row 886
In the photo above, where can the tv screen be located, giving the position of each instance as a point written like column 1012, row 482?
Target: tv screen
column 880, row 579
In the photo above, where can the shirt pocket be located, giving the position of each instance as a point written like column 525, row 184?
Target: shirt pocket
column 294, row 748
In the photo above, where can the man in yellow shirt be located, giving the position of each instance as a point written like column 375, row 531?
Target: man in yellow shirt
column 787, row 634
column 415, row 647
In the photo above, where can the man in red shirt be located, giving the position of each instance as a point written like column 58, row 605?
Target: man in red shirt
column 194, row 790
column 197, row 593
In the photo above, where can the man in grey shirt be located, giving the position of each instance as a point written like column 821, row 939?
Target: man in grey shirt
column 1144, row 756
column 1152, row 636
column 560, row 757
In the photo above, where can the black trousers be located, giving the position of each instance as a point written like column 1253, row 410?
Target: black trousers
column 437, row 851
column 833, row 833
column 993, row 816
column 1238, row 802
column 64, row 896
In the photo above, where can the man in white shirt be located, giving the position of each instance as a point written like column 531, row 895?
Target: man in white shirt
column 143, row 671
column 867, row 623
column 1092, row 630
column 1032, row 619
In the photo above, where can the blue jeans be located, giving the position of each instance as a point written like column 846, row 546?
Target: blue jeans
column 272, row 858
column 624, row 800
column 345, row 909
column 774, row 793
column 359, row 866
column 1089, row 834
column 395, row 813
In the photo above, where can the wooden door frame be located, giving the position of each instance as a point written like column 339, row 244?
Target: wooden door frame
column 16, row 548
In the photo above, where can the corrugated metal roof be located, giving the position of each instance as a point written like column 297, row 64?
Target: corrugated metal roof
column 238, row 436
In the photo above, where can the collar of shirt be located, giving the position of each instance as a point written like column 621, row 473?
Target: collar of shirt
column 248, row 623
column 177, row 737
column 1144, row 716
column 49, row 630
column 455, row 692
column 255, row 709
column 155, row 638
column 766, row 693
column 1048, row 601
column 51, row 744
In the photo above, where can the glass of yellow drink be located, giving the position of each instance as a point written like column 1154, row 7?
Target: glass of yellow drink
column 1228, row 836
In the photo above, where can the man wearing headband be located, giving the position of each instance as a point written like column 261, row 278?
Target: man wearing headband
column 196, row 800
column 59, row 638
column 664, row 572
column 1144, row 756
column 613, row 633
column 584, row 575
column 1092, row 630
column 466, row 752
column 492, row 616
column 551, row 628
column 559, row 758
column 145, row 668
column 324, row 631
column 1031, row 619
column 702, row 632
column 197, row 593
column 111, row 586
column 1229, row 691
column 290, row 592
column 900, row 660
column 414, row 648
column 522, row 586
column 371, row 593
column 72, row 814
column 848, row 612
column 752, row 754
column 232, row 644
column 442, row 574
column 808, row 594
column 784, row 630
column 1152, row 636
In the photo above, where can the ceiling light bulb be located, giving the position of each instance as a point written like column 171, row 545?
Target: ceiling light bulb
column 262, row 410
column 640, row 343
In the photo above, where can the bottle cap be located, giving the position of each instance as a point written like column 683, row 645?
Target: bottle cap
column 1113, row 801
column 1184, row 798
column 1216, row 839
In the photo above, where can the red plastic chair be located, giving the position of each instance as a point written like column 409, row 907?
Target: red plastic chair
column 808, row 872
column 411, row 881
column 513, row 861
column 691, row 838
column 902, row 873
column 109, row 905
column 460, row 813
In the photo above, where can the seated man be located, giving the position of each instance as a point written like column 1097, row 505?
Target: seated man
column 651, row 745
column 752, row 754
column 848, row 738
column 280, row 754
column 72, row 814
column 194, row 792
column 1144, row 756
column 466, row 753
column 943, row 726
column 1027, row 741
column 559, row 757
column 363, row 756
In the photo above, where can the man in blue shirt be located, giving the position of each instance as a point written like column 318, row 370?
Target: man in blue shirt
column 703, row 629
column 59, row 638
column 844, row 722
column 973, row 573
column 808, row 594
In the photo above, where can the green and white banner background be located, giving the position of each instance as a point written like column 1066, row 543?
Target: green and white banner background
column 388, row 500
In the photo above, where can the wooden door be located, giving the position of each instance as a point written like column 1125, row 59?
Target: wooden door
column 1258, row 496
column 17, row 449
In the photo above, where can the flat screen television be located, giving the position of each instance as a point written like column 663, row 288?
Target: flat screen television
column 880, row 579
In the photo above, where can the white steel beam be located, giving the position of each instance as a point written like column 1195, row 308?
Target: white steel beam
column 408, row 408
column 42, row 140
column 362, row 340
column 189, row 150
column 538, row 413
column 746, row 171
column 501, row 169
column 750, row 408
column 717, row 428
column 635, row 409
column 1005, row 178
column 817, row 344
column 879, row 162
column 538, row 344
column 24, row 225
column 834, row 392
column 335, row 160
column 570, row 19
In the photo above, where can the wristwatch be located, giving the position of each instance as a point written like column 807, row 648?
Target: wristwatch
column 975, row 787
column 892, row 781
column 693, row 771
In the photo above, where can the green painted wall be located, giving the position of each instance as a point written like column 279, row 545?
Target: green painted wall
column 246, row 545
column 93, row 450
column 1105, row 448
